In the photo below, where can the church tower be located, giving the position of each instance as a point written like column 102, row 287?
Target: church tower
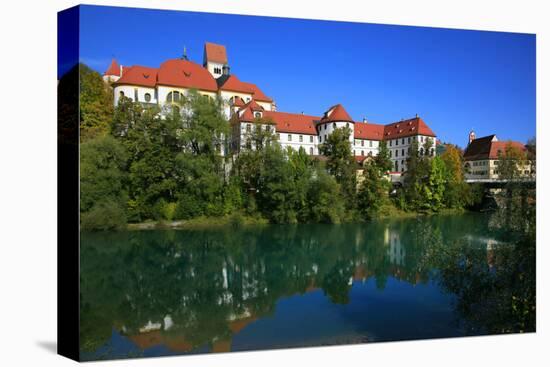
column 471, row 137
column 215, row 59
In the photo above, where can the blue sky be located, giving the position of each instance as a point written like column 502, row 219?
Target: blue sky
column 455, row 80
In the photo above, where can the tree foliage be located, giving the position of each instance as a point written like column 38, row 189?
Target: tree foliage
column 96, row 104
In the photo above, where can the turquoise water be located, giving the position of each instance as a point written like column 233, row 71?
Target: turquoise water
column 169, row 292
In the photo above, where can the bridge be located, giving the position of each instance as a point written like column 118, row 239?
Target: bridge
column 496, row 183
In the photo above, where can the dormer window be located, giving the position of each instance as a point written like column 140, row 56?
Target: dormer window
column 257, row 115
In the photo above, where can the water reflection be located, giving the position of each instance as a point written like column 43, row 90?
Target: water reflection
column 173, row 292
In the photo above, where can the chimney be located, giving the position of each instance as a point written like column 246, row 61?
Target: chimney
column 416, row 115
column 471, row 137
column 364, row 120
column 225, row 70
column 302, row 112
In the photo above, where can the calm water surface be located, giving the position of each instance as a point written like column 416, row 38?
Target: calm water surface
column 170, row 292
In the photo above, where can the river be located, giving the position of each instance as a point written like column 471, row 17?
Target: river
column 171, row 292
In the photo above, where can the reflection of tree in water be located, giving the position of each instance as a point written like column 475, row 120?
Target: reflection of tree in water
column 187, row 289
column 494, row 281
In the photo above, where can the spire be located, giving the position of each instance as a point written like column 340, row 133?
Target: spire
column 184, row 56
column 471, row 137
column 114, row 68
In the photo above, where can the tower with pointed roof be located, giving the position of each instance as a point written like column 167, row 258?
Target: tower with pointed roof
column 336, row 117
column 215, row 59
column 113, row 73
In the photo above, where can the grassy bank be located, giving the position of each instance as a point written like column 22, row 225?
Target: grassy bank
column 200, row 223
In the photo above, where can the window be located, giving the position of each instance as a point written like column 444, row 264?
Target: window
column 301, row 138
column 402, row 152
column 248, row 127
column 409, row 140
column 217, row 70
column 362, row 153
column 362, row 143
column 121, row 94
column 403, row 141
column 320, row 138
column 278, row 136
column 397, row 153
column 174, row 96
column 347, row 124
column 147, row 97
column 396, row 166
column 136, row 95
column 257, row 115
column 421, row 151
column 370, row 143
column 289, row 137
column 334, row 125
column 310, row 151
column 311, row 139
column 390, row 142
column 390, row 153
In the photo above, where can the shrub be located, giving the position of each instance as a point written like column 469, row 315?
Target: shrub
column 102, row 217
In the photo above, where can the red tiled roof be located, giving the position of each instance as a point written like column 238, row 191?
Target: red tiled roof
column 114, row 69
column 238, row 102
column 215, row 53
column 368, row 131
column 336, row 113
column 186, row 74
column 404, row 128
column 293, row 122
column 232, row 83
column 138, row 75
column 488, row 147
column 253, row 106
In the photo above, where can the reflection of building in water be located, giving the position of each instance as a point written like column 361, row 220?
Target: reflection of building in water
column 396, row 250
column 177, row 342
column 489, row 243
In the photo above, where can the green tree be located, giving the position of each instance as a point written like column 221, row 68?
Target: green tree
column 340, row 163
column 457, row 192
column 96, row 104
column 373, row 191
column 325, row 203
column 382, row 159
column 103, row 182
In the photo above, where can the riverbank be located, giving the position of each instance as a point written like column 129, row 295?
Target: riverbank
column 389, row 212
column 200, row 223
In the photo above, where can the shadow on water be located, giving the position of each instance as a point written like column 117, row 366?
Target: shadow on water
column 175, row 292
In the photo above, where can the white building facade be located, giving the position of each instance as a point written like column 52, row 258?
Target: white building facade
column 248, row 108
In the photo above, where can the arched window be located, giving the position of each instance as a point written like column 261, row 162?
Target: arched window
column 174, row 96
column 147, row 97
column 334, row 125
column 257, row 115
